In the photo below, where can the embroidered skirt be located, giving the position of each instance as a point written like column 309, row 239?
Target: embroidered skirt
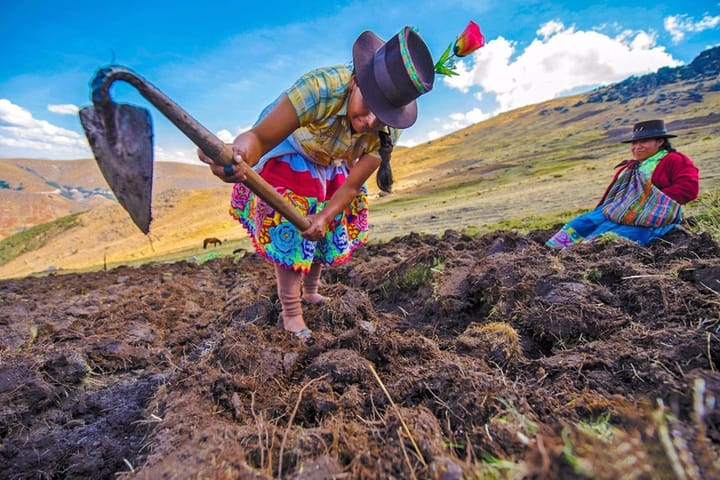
column 307, row 186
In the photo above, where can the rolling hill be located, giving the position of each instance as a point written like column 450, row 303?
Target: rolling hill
column 543, row 159
column 37, row 191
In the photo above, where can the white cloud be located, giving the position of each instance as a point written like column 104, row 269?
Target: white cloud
column 178, row 155
column 67, row 109
column 678, row 25
column 409, row 142
column 550, row 28
column 225, row 136
column 190, row 155
column 462, row 120
column 561, row 59
column 22, row 133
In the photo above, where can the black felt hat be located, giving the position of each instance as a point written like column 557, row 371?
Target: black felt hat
column 393, row 74
column 649, row 129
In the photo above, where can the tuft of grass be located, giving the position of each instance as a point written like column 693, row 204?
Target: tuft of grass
column 599, row 427
column 523, row 424
column 608, row 237
column 579, row 465
column 415, row 277
column 420, row 274
column 579, row 457
column 705, row 214
column 35, row 237
column 593, row 275
column 493, row 468
column 472, row 231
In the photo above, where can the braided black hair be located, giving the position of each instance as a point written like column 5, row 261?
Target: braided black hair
column 666, row 145
column 384, row 174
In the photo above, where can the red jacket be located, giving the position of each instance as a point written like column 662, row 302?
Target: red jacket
column 676, row 175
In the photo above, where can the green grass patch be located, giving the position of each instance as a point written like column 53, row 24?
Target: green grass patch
column 35, row 237
column 704, row 214
column 588, row 435
column 493, row 468
column 524, row 225
column 414, row 277
column 599, row 427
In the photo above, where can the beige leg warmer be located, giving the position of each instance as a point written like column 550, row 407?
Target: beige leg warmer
column 311, row 284
column 288, row 289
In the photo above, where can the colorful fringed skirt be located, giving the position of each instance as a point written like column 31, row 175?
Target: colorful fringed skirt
column 307, row 186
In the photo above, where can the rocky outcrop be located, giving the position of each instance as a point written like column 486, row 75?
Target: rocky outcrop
column 703, row 71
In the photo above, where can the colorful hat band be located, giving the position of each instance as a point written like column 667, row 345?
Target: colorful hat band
column 409, row 66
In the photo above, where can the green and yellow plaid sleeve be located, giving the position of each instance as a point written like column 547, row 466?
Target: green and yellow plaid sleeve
column 319, row 94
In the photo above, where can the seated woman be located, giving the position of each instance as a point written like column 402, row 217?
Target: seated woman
column 644, row 200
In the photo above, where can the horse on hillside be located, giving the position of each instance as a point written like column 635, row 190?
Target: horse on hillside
column 211, row 241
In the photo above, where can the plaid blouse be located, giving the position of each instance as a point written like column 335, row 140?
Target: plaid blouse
column 320, row 98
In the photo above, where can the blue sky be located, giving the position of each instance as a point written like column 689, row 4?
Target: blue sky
column 224, row 61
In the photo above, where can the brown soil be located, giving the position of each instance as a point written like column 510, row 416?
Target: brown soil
column 437, row 357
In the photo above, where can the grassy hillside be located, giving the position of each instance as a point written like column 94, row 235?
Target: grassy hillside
column 540, row 160
column 536, row 165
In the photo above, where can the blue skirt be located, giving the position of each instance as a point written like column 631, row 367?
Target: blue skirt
column 588, row 226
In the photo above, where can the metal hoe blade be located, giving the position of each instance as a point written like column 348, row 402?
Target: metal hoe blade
column 120, row 136
column 121, row 139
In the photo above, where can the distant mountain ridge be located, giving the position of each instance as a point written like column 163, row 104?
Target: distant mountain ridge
column 704, row 68
column 75, row 191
